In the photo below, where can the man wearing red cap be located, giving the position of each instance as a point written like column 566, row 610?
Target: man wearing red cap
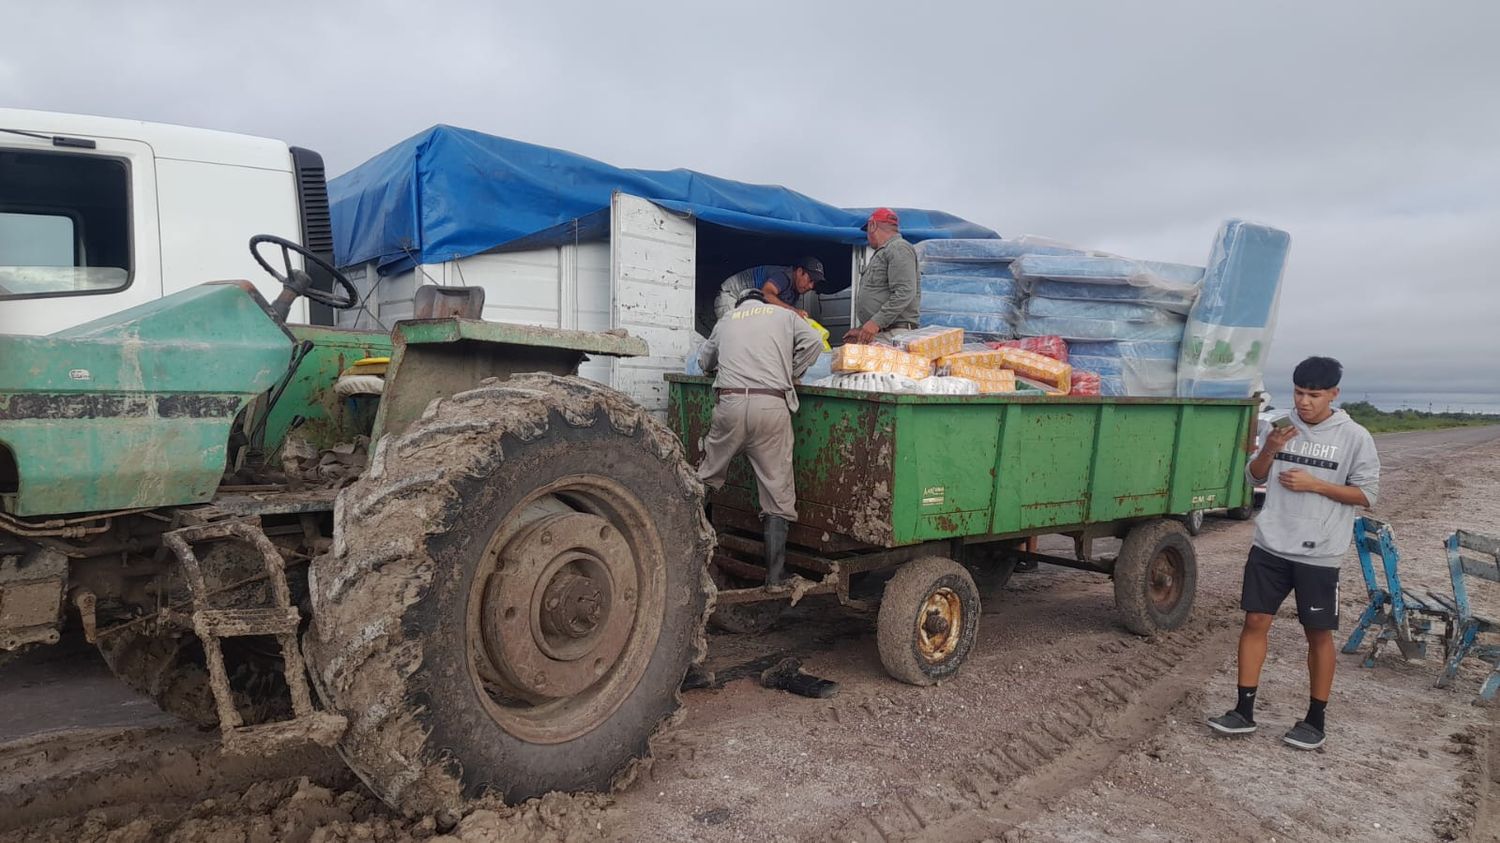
column 888, row 297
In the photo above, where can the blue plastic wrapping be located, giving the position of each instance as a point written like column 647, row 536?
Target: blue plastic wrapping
column 1136, row 376
column 968, row 285
column 1168, row 329
column 988, row 326
column 448, row 193
column 967, row 250
column 963, row 269
column 1136, row 350
column 1097, row 269
column 1229, row 329
column 1177, row 301
column 1077, row 309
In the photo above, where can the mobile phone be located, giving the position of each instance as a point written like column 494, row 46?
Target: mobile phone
column 1282, row 422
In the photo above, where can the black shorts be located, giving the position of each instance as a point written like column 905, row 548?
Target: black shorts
column 1269, row 578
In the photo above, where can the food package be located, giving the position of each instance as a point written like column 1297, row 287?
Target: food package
column 1024, row 384
column 1084, row 383
column 1055, row 374
column 1050, row 346
column 872, row 382
column 986, row 358
column 931, row 342
column 853, row 357
column 988, row 378
column 940, row 385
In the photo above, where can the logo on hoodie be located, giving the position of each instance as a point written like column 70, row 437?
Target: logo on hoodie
column 1310, row 454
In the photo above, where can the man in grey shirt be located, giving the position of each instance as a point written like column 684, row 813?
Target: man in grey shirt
column 888, row 297
column 756, row 353
column 1318, row 469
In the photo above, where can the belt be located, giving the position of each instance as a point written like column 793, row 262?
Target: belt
column 751, row 391
column 906, row 325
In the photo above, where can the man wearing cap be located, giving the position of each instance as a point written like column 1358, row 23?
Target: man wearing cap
column 782, row 286
column 756, row 352
column 888, row 297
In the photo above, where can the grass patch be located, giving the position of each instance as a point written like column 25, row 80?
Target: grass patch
column 1379, row 421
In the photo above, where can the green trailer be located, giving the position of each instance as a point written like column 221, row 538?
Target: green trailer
column 939, row 498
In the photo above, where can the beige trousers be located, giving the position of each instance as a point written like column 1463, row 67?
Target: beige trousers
column 761, row 426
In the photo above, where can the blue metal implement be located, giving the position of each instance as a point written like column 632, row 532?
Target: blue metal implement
column 1400, row 615
column 1470, row 555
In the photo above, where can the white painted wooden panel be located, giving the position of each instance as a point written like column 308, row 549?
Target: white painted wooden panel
column 653, row 255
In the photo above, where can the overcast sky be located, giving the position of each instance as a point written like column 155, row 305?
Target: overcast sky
column 1369, row 130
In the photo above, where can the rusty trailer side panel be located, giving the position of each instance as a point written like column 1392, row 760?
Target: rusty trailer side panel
column 893, row 470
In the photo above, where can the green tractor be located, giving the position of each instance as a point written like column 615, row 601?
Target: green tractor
column 436, row 549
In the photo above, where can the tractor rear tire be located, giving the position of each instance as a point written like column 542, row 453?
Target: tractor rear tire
column 1156, row 577
column 517, row 587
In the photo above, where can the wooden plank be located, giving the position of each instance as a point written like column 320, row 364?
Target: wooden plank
column 1484, row 569
column 1475, row 541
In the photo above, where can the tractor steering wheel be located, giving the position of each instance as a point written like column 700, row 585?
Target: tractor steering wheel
column 299, row 283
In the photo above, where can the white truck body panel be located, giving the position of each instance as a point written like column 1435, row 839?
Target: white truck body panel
column 196, row 195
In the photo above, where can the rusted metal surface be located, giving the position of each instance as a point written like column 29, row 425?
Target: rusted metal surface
column 558, row 614
column 940, row 623
column 69, row 528
column 1167, row 578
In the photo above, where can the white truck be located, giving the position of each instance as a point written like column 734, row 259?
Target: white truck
column 109, row 212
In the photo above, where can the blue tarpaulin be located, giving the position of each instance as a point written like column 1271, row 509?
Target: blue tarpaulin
column 449, row 193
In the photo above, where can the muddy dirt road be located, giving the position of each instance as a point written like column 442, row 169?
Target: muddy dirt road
column 1063, row 726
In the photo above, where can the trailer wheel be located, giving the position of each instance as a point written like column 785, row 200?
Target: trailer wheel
column 1242, row 513
column 928, row 620
column 1156, row 576
column 518, row 586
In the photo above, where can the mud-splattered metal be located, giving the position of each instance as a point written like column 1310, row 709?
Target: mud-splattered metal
column 893, row 470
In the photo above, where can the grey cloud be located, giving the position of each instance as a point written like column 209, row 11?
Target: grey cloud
column 1367, row 130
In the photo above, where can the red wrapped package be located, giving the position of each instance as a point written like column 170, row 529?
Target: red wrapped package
column 1084, row 383
column 1054, row 347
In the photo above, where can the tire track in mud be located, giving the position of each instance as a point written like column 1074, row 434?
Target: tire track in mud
column 1017, row 776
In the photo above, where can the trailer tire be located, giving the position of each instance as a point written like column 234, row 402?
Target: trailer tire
column 990, row 567
column 1156, row 577
column 928, row 620
column 517, row 587
column 1242, row 513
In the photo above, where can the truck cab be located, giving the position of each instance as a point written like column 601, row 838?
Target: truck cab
column 113, row 213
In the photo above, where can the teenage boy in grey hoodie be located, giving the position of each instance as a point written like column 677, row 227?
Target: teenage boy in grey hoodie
column 1317, row 471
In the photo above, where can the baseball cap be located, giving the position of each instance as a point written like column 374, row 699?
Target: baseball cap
column 882, row 215
column 812, row 266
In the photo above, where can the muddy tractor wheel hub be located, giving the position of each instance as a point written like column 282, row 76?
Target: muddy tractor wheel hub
column 559, row 610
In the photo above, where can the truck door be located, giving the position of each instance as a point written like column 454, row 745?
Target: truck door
column 652, row 258
column 78, row 231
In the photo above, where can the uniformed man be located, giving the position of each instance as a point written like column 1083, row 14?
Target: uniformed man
column 888, row 297
column 783, row 286
column 757, row 351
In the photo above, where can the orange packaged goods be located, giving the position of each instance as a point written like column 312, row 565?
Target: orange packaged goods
column 986, row 358
column 851, row 357
column 989, row 380
column 1055, row 374
column 931, row 342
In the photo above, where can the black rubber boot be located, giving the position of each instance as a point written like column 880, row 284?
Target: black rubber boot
column 775, row 538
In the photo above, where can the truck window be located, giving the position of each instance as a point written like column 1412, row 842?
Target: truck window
column 64, row 224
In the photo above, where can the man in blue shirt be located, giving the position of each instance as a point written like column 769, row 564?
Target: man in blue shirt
column 782, row 286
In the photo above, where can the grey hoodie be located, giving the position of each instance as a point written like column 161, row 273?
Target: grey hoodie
column 1305, row 526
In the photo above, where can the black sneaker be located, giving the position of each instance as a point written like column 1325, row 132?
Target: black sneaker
column 1232, row 722
column 1304, row 735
